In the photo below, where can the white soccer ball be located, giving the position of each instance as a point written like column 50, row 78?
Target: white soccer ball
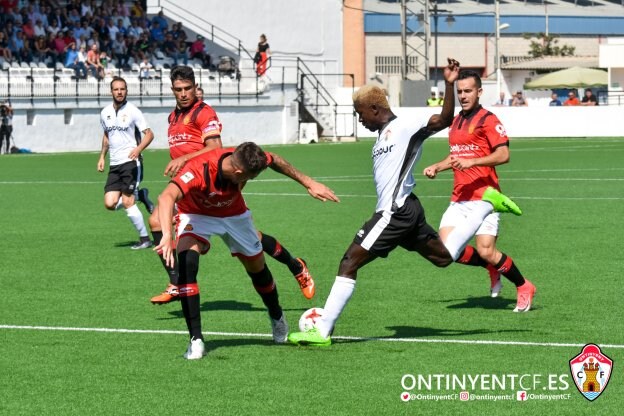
column 309, row 318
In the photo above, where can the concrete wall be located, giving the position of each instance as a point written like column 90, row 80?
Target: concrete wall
column 541, row 121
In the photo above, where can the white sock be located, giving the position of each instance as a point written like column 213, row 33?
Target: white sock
column 134, row 213
column 340, row 294
column 119, row 204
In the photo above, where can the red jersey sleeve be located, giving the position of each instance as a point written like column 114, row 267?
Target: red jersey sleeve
column 190, row 177
column 495, row 132
column 208, row 123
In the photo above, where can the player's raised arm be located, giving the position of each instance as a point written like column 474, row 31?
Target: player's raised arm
column 315, row 189
column 441, row 121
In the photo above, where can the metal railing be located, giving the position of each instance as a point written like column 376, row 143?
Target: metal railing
column 316, row 104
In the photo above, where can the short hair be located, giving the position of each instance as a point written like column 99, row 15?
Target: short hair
column 468, row 73
column 200, row 89
column 117, row 78
column 182, row 72
column 371, row 94
column 250, row 158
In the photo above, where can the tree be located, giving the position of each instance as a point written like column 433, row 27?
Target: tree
column 546, row 45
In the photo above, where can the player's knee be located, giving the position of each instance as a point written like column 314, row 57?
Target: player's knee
column 109, row 206
column 487, row 253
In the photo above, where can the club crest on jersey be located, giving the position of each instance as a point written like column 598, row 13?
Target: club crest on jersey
column 187, row 119
column 501, row 130
column 187, row 177
column 387, row 135
column 124, row 118
column 591, row 371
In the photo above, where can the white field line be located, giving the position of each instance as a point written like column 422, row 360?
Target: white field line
column 346, row 338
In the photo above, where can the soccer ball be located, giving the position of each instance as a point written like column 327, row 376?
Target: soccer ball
column 309, row 318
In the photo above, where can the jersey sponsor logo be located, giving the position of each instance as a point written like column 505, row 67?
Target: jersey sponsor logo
column 360, row 233
column 187, row 177
column 501, row 130
column 180, row 137
column 118, row 128
column 461, row 148
column 219, row 204
column 381, row 150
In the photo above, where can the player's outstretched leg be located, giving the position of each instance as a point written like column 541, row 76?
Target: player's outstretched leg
column 525, row 289
column 190, row 302
column 500, row 202
column 297, row 266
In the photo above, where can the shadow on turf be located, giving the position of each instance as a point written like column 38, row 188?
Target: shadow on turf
column 482, row 302
column 125, row 244
column 228, row 305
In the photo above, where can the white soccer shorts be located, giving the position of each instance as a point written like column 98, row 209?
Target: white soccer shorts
column 237, row 232
column 469, row 218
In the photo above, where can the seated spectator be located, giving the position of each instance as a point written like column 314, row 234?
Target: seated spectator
column 433, row 101
column 554, row 100
column 39, row 30
column 137, row 9
column 72, row 61
column 501, row 102
column 181, row 52
column 170, row 47
column 53, row 28
column 197, row 51
column 5, row 51
column 82, row 61
column 84, row 29
column 161, row 21
column 518, row 100
column 29, row 30
column 157, row 33
column 589, row 99
column 58, row 46
column 572, row 99
column 135, row 30
column 145, row 69
column 93, row 62
column 104, row 60
column 119, row 51
column 42, row 50
column 177, row 32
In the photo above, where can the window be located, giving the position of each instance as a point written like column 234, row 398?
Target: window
column 392, row 64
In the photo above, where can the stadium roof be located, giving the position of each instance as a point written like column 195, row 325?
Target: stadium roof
column 553, row 63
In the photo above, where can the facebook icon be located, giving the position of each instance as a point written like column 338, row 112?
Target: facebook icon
column 521, row 395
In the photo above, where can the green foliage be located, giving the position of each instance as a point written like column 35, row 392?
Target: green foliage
column 547, row 45
column 66, row 263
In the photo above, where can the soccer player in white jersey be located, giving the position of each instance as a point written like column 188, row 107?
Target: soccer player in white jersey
column 399, row 218
column 478, row 142
column 123, row 124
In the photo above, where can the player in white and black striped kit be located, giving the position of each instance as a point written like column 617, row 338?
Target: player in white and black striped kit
column 399, row 218
column 123, row 124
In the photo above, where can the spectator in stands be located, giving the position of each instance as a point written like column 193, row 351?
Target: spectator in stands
column 68, row 36
column 34, row 15
column 145, row 46
column 38, row 29
column 121, row 27
column 16, row 17
column 23, row 51
column 181, row 52
column 554, row 100
column 177, row 31
column 518, row 100
column 72, row 61
column 145, row 69
column 119, row 51
column 432, row 101
column 135, row 30
column 53, row 28
column 29, row 30
column 5, row 51
column 589, row 99
column 572, row 99
column 94, row 40
column 137, row 9
column 199, row 93
column 198, row 51
column 132, row 50
column 58, row 46
column 9, row 30
column 160, row 20
column 87, row 8
column 73, row 18
column 58, row 17
column 170, row 48
column 83, row 29
column 111, row 29
column 120, row 8
column 82, row 61
column 41, row 49
column 157, row 33
column 93, row 62
column 104, row 61
column 263, row 53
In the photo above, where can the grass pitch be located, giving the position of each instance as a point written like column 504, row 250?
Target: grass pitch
column 79, row 335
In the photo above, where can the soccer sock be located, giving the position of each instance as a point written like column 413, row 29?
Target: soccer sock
column 274, row 249
column 471, row 257
column 119, row 204
column 134, row 213
column 265, row 286
column 507, row 268
column 174, row 276
column 340, row 294
column 189, row 292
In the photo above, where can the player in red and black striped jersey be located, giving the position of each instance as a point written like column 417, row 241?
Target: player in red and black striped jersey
column 194, row 129
column 207, row 191
column 478, row 143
